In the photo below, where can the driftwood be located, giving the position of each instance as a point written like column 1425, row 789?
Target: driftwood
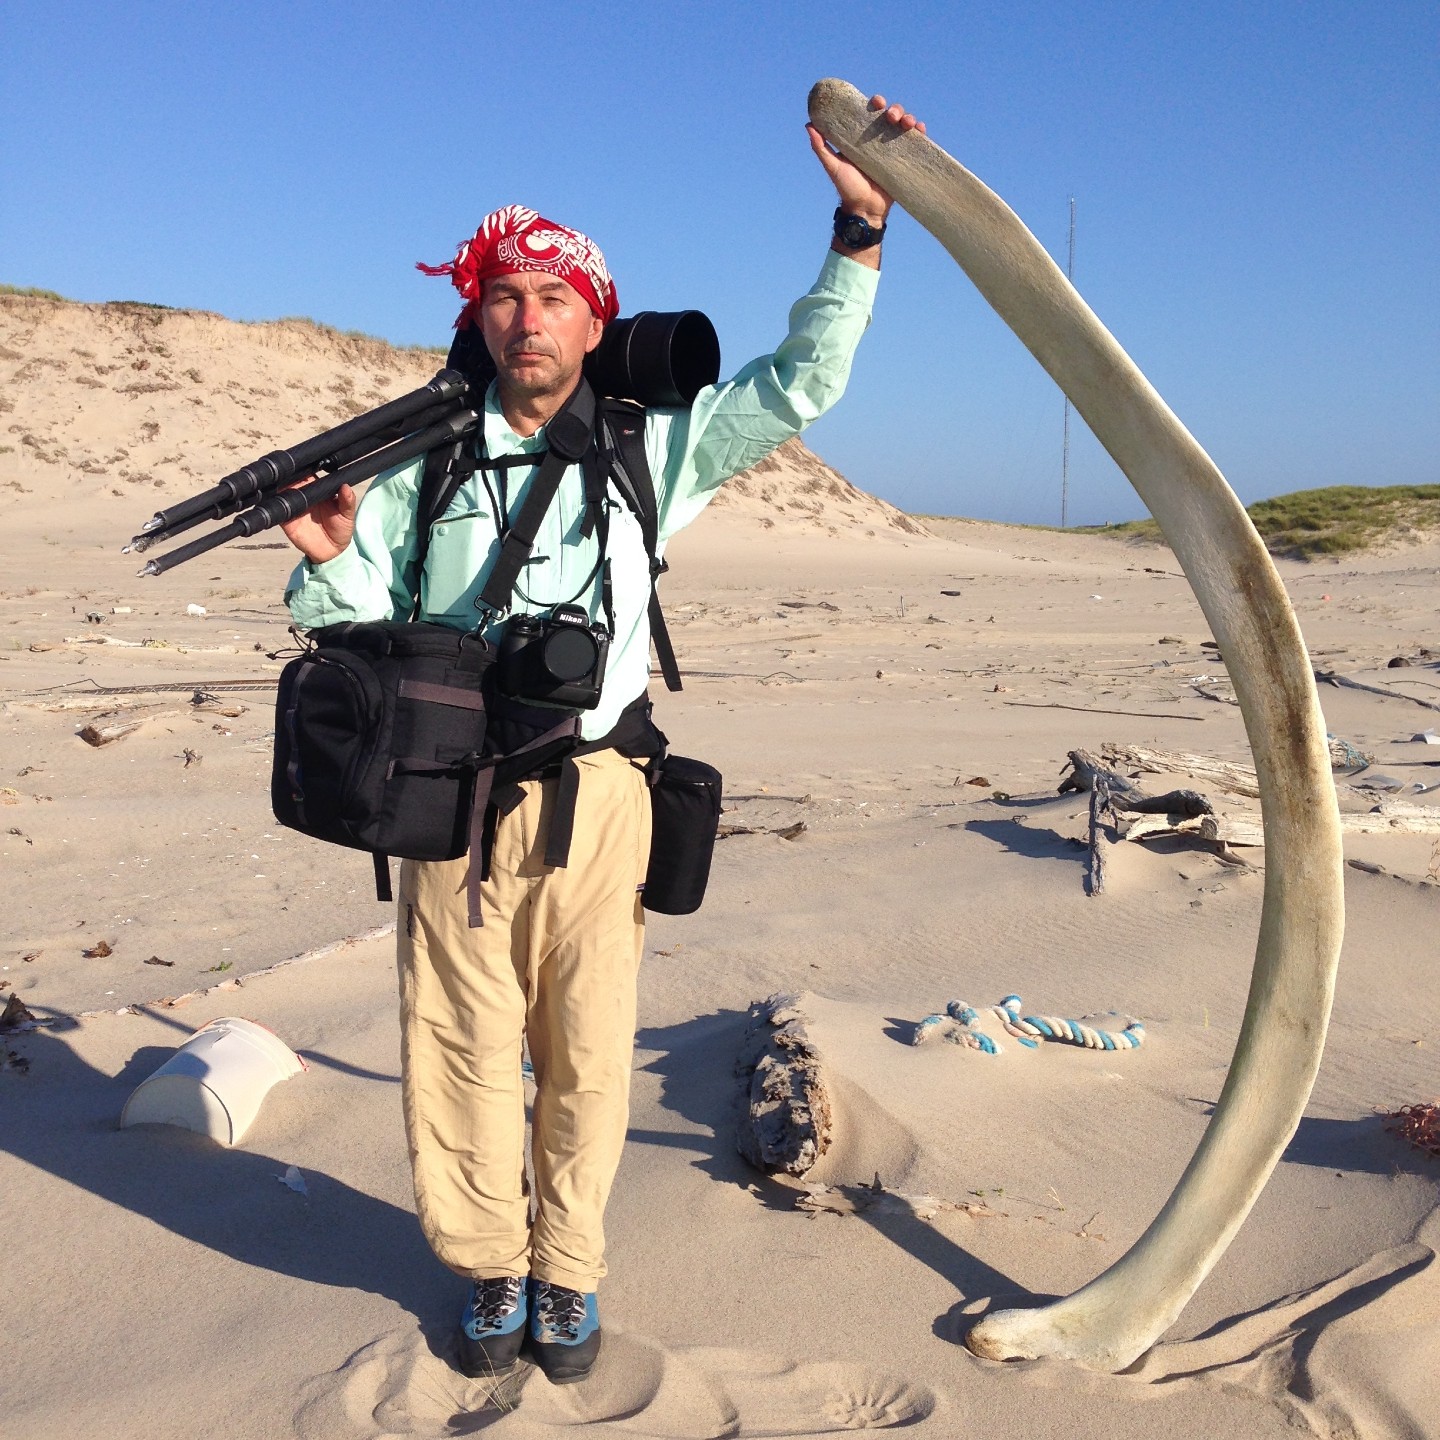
column 1239, row 779
column 1102, row 802
column 1229, row 775
column 107, row 734
column 1087, row 770
column 102, row 734
column 1111, row 793
column 1096, row 710
column 1329, row 677
column 785, row 1121
column 1206, row 692
column 1391, row 817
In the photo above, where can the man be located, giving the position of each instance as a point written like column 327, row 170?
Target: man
column 555, row 961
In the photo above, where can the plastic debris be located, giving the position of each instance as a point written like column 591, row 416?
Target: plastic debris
column 1345, row 756
column 1427, row 737
column 1419, row 1124
column 294, row 1179
column 198, row 611
column 965, row 1017
column 858, row 1199
column 1378, row 781
column 930, row 1025
column 216, row 1081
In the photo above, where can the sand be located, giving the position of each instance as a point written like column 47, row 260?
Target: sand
column 160, row 1285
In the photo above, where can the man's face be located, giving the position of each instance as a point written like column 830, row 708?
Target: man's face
column 539, row 330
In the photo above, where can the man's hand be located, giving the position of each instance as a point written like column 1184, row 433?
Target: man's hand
column 322, row 533
column 859, row 194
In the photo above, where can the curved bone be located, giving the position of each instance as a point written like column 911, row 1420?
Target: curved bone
column 1115, row 1318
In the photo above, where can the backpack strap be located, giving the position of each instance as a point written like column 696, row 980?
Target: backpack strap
column 630, row 468
column 446, row 470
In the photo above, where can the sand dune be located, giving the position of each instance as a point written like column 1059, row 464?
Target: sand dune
column 126, row 398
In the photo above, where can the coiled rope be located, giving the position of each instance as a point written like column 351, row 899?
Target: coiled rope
column 959, row 1024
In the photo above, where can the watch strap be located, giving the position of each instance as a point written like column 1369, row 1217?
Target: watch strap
column 855, row 232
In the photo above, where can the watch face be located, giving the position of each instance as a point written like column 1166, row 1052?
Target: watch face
column 855, row 232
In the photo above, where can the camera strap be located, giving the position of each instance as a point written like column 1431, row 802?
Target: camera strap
column 597, row 522
column 567, row 433
column 500, row 503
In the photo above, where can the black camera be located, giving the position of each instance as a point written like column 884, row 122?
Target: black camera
column 554, row 659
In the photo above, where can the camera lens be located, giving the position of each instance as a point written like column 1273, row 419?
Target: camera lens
column 569, row 654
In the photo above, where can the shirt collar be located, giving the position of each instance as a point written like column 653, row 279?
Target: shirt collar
column 500, row 439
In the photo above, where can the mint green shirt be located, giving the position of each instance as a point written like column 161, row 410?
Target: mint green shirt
column 692, row 452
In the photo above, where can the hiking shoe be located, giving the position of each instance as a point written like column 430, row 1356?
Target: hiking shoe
column 564, row 1332
column 492, row 1329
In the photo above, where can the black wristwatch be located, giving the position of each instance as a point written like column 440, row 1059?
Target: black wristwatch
column 854, row 232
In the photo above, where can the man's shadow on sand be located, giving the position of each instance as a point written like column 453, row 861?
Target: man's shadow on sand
column 228, row 1200
column 698, row 1081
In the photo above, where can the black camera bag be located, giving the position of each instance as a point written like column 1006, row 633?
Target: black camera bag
column 378, row 728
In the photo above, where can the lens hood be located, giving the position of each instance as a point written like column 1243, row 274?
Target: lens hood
column 657, row 357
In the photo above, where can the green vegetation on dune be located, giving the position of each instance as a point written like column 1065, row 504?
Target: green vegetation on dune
column 33, row 292
column 1146, row 529
column 1307, row 523
column 1333, row 521
column 325, row 329
column 1343, row 517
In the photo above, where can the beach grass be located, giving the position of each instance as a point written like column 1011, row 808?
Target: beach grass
column 1337, row 520
column 33, row 292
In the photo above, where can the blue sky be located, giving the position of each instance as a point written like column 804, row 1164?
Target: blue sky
column 1255, row 187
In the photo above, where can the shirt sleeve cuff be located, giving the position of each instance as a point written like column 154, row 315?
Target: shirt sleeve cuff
column 847, row 278
column 345, row 566
column 315, row 594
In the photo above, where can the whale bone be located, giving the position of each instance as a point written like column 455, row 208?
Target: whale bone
column 1113, row 1320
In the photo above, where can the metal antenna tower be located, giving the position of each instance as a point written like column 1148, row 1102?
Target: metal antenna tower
column 1065, row 444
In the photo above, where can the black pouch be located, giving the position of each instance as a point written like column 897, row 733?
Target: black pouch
column 685, row 815
column 378, row 727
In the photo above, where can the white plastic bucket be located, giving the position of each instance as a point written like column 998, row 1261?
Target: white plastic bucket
column 215, row 1082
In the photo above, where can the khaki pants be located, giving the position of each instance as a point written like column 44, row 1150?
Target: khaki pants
column 554, row 963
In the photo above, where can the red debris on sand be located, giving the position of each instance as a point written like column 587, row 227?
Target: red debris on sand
column 1419, row 1124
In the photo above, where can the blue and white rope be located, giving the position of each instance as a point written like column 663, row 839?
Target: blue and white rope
column 959, row 1025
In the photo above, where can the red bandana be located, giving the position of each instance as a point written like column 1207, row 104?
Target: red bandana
column 516, row 239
